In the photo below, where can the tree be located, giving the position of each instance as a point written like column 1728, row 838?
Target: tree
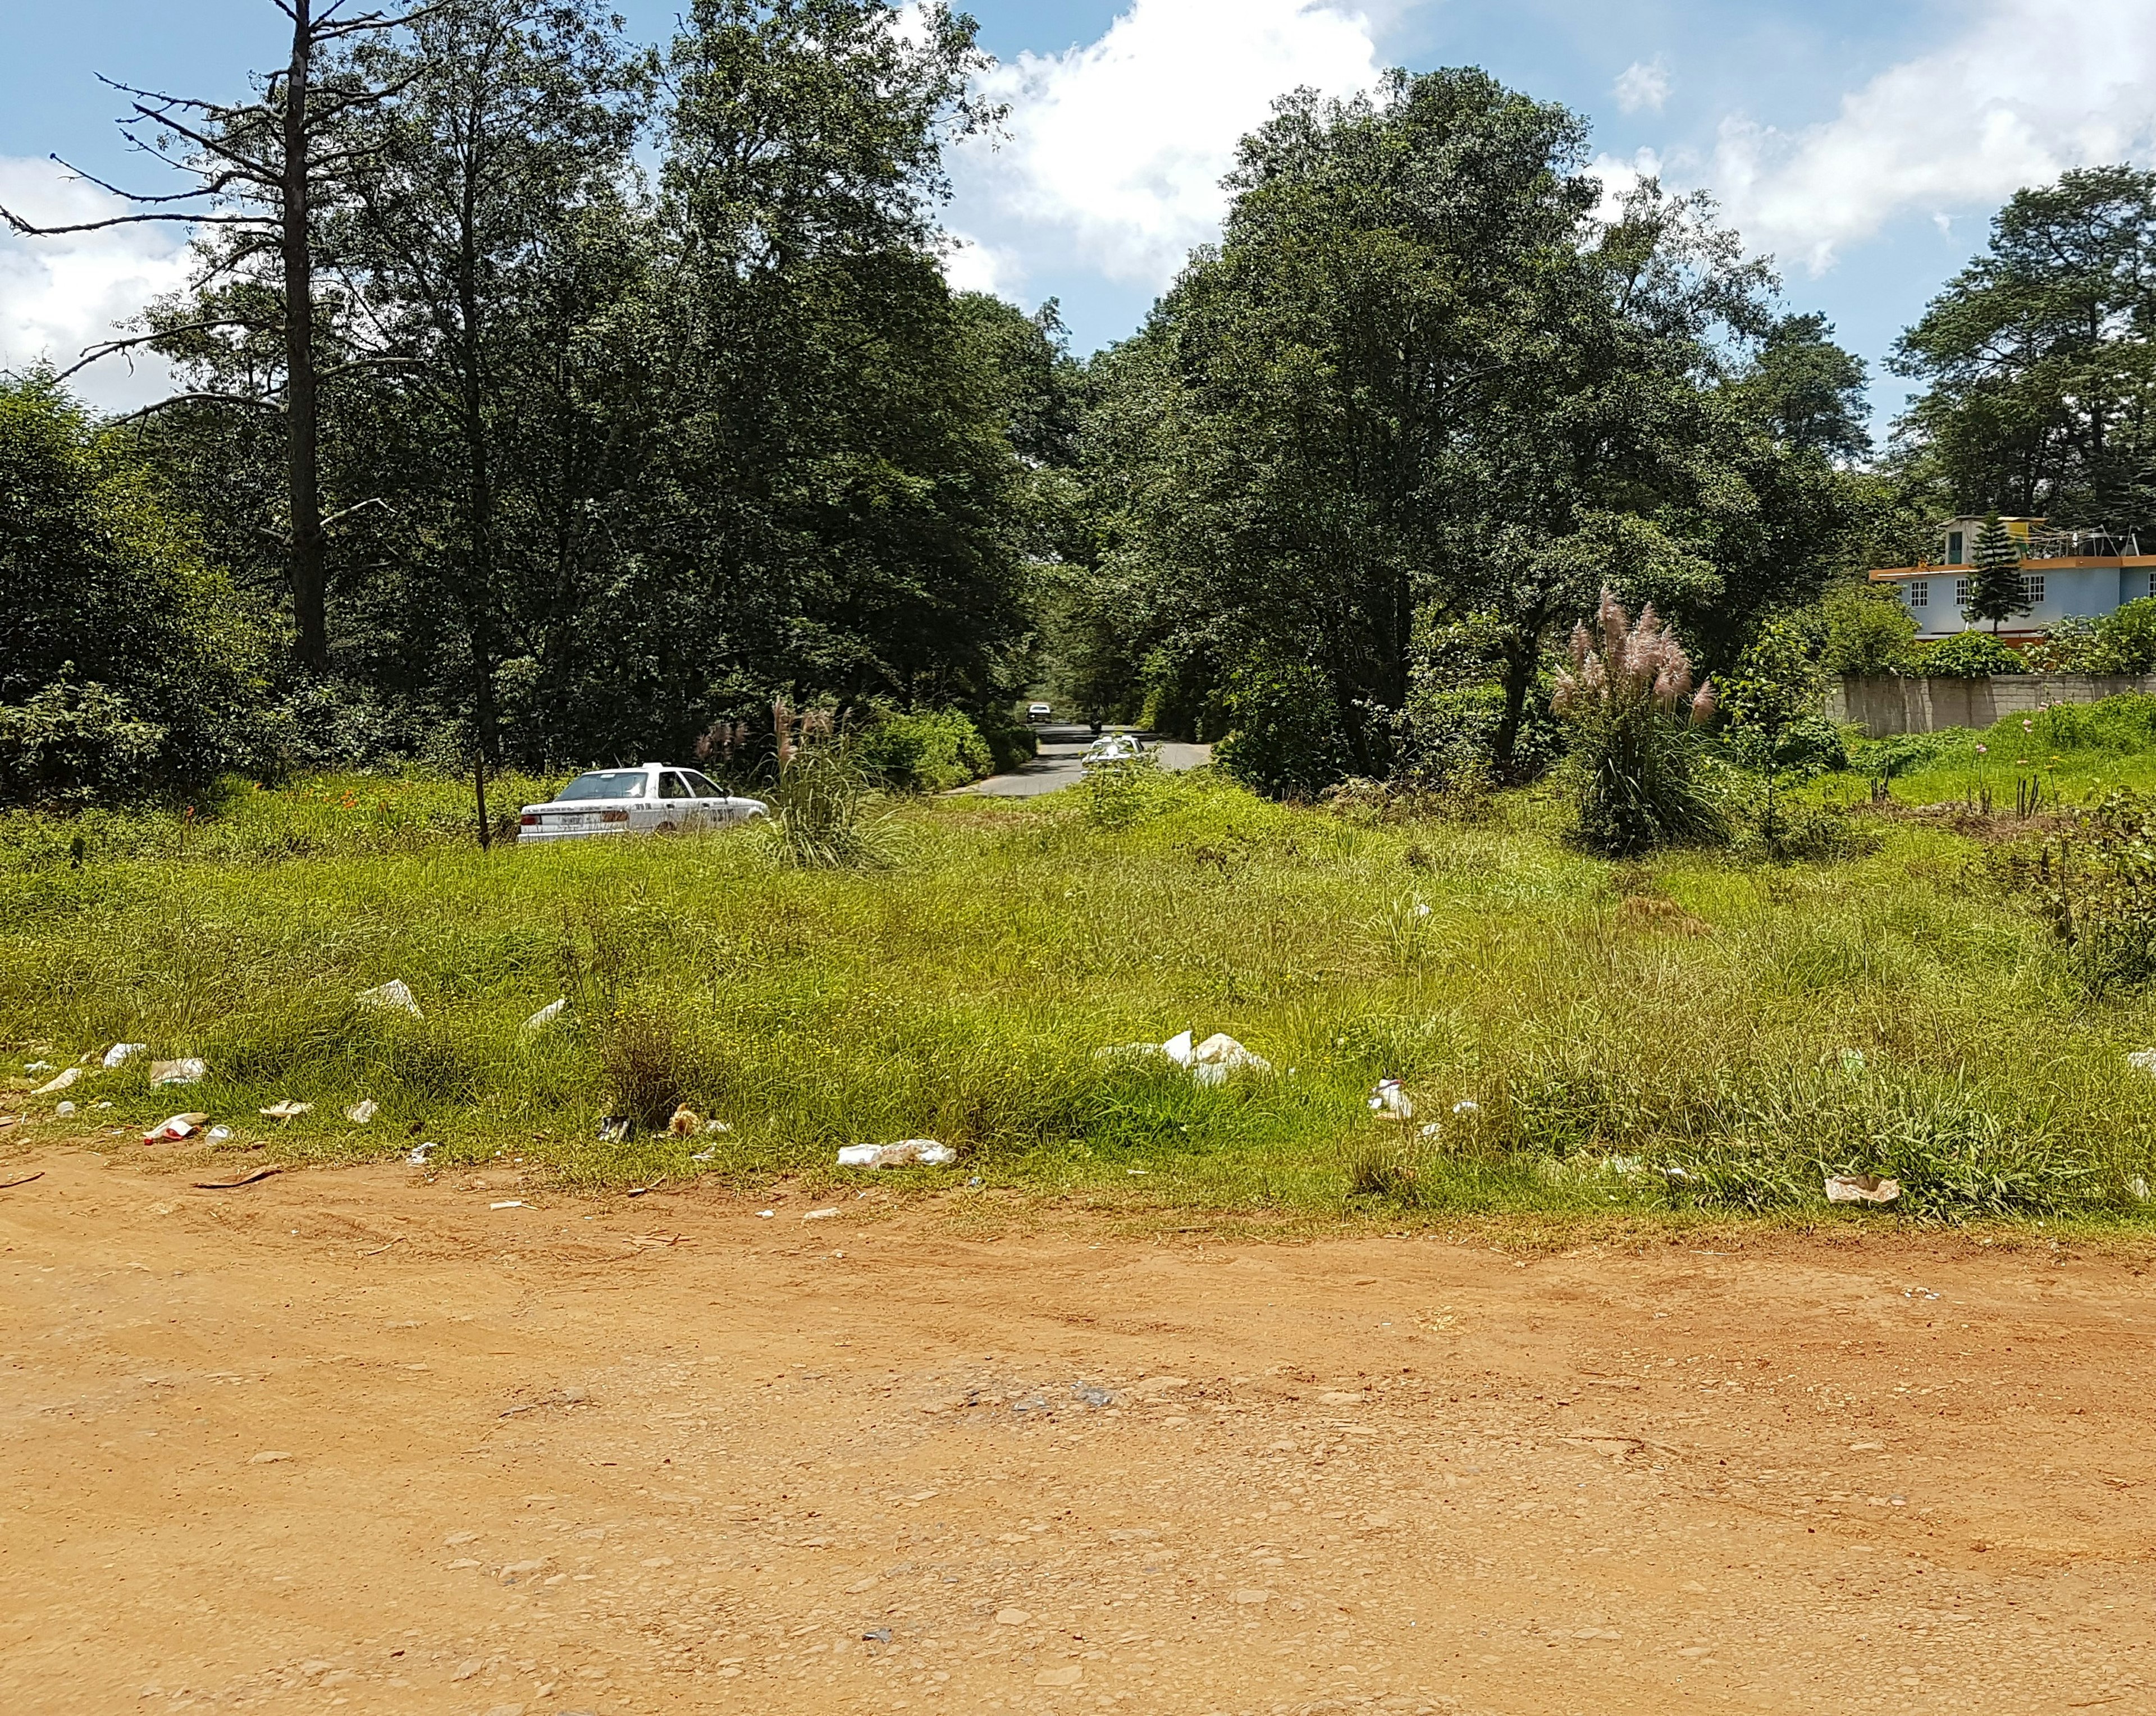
column 2040, row 371
column 1995, row 585
column 128, row 662
column 262, row 169
column 1777, row 685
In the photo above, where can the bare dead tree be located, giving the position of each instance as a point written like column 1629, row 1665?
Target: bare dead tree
column 262, row 169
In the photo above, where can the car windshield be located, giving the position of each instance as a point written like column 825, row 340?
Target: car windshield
column 607, row 783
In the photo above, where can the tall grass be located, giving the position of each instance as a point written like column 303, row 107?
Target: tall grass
column 1581, row 1036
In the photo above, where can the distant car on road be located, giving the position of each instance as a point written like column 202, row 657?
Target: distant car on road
column 656, row 799
column 1116, row 748
column 1038, row 712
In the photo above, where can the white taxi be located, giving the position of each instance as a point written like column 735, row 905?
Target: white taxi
column 657, row 798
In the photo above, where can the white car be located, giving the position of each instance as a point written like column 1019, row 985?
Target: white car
column 1116, row 748
column 1038, row 712
column 657, row 798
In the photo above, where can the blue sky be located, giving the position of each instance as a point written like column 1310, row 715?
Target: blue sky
column 1865, row 145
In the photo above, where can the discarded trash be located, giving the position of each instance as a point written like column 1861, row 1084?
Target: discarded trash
column 684, row 1122
column 60, row 1083
column 287, row 1110
column 1431, row 1130
column 1467, row 1106
column 120, row 1052
column 614, row 1129
column 219, row 1134
column 976, row 1180
column 360, row 1113
column 2140, row 1188
column 189, row 1071
column 877, row 1635
column 420, row 1152
column 10, row 1184
column 1221, row 1055
column 926, row 1151
column 39, row 1067
column 716, row 1126
column 105, row 1105
column 396, row 995
column 7, row 1120
column 64, row 1110
column 765, row 1215
column 703, row 1155
column 508, row 1203
column 2142, row 1060
column 1390, row 1097
column 817, row 1215
column 1852, row 1060
column 1178, row 1049
column 545, row 1017
column 1861, row 1189
column 235, row 1184
column 178, row 1127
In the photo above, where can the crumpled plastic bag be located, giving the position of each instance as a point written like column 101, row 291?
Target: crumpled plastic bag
column 1861, row 1189
column 907, row 1151
column 189, row 1071
column 1389, row 1097
column 1221, row 1055
column 55, row 1086
column 122, row 1053
column 287, row 1110
column 395, row 997
column 362, row 1111
column 545, row 1017
column 178, row 1127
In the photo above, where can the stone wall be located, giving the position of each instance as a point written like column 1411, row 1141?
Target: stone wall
column 1890, row 705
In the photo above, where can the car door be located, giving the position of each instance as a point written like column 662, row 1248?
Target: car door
column 710, row 802
column 677, row 804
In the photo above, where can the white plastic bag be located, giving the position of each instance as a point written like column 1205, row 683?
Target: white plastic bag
column 1861, row 1189
column 189, row 1071
column 122, row 1053
column 545, row 1017
column 64, row 1082
column 395, row 995
column 926, row 1151
column 1221, row 1055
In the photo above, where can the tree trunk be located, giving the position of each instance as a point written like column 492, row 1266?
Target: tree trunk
column 310, row 547
column 479, row 496
column 1519, row 675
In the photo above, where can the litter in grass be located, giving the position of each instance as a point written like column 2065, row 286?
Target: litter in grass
column 716, row 1126
column 258, row 1176
column 219, row 1134
column 177, row 1127
column 703, row 1155
column 362, row 1111
column 38, row 1067
column 64, row 1110
column 122, row 1053
column 926, row 1151
column 64, row 1082
column 545, row 1017
column 394, row 996
column 615, row 1129
column 2143, row 1060
column 765, row 1215
column 1389, row 1097
column 1465, row 1106
column 287, row 1110
column 189, row 1070
column 420, row 1152
column 508, row 1203
column 817, row 1215
column 1861, row 1189
column 1221, row 1055
column 2140, row 1189
column 684, row 1122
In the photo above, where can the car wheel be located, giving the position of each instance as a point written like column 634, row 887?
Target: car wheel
column 666, row 828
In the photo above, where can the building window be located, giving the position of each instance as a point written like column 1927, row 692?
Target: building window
column 1961, row 592
column 1920, row 592
column 2152, row 583
column 2032, row 587
column 1953, row 548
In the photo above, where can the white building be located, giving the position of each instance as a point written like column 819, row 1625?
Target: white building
column 2065, row 574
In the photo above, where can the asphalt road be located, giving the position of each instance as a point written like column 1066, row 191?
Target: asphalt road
column 1057, row 766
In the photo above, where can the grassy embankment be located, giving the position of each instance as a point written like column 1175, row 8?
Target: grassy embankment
column 1750, row 1027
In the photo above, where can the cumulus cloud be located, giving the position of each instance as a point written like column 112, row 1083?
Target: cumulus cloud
column 2029, row 88
column 971, row 266
column 58, row 295
column 1118, row 145
column 1643, row 84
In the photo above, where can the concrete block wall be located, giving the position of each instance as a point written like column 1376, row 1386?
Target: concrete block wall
column 1885, row 706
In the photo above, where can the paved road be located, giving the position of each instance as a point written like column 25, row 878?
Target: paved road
column 1057, row 766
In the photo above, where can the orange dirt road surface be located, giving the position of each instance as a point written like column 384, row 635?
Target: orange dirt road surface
column 357, row 1440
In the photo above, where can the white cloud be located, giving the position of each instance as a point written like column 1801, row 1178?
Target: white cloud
column 58, row 295
column 1643, row 84
column 1620, row 177
column 971, row 266
column 2031, row 88
column 1117, row 147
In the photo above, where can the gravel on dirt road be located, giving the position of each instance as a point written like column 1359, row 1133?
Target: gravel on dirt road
column 362, row 1440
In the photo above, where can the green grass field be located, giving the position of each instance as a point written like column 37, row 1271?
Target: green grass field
column 1579, row 1038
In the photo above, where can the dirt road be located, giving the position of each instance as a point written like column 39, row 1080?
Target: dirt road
column 352, row 1441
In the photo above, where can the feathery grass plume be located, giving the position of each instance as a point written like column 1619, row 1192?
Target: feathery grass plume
column 823, row 801
column 1628, row 698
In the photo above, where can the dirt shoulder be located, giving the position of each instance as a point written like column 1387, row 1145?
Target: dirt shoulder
column 353, row 1440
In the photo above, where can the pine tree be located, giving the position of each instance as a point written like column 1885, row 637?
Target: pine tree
column 1995, row 586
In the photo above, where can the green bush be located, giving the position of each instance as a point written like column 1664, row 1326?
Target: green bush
column 1867, row 634
column 1286, row 742
column 1969, row 655
column 2126, row 639
column 928, row 750
column 128, row 665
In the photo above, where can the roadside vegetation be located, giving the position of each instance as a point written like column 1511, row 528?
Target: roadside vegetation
column 1694, row 1029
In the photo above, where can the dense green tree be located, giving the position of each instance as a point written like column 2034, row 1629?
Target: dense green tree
column 2037, row 361
column 1995, row 584
column 127, row 662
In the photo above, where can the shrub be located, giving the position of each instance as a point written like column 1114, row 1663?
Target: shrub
column 1867, row 634
column 1969, row 655
column 823, row 801
column 928, row 750
column 2095, row 885
column 2126, row 639
column 1287, row 741
column 1628, row 695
